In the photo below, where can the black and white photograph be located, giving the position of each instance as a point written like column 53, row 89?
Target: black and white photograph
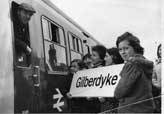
column 81, row 56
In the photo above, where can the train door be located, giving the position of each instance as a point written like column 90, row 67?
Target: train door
column 26, row 98
column 56, row 66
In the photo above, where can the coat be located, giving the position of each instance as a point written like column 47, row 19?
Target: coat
column 134, row 89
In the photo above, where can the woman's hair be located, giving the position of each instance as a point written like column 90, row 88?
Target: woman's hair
column 133, row 41
column 101, row 50
column 114, row 53
column 79, row 62
column 158, row 54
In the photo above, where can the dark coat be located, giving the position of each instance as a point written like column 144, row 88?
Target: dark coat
column 21, row 33
column 134, row 90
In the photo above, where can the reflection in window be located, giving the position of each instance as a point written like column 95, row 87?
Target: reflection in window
column 52, row 56
column 55, row 57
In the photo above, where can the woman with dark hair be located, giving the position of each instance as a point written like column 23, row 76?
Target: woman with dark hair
column 87, row 61
column 113, row 57
column 98, row 55
column 76, row 105
column 134, row 89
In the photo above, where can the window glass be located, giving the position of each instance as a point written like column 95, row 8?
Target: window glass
column 55, row 57
column 74, row 42
column 70, row 41
column 80, row 46
column 88, row 50
column 77, row 45
column 55, row 33
column 61, row 33
column 75, row 55
column 45, row 29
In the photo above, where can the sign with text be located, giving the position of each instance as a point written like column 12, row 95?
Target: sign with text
column 97, row 82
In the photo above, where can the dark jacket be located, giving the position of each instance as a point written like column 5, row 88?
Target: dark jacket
column 134, row 90
column 21, row 33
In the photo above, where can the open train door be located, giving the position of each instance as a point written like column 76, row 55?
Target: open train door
column 26, row 74
column 6, row 60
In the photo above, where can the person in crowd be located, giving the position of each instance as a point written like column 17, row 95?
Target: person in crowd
column 134, row 89
column 77, row 105
column 21, row 32
column 87, row 60
column 76, row 65
column 112, row 57
column 156, row 79
column 98, row 54
column 22, row 90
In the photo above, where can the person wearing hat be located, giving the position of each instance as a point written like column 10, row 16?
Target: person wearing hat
column 23, row 91
column 23, row 15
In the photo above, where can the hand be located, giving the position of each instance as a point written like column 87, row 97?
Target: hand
column 29, row 50
column 101, row 99
column 89, row 98
column 25, row 112
column 132, row 59
column 69, row 95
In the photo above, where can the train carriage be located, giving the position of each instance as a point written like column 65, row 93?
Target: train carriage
column 55, row 40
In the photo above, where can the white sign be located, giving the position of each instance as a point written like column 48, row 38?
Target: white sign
column 97, row 82
column 59, row 103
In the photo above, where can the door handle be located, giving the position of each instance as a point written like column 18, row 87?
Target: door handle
column 36, row 76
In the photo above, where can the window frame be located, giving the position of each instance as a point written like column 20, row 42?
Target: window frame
column 74, row 50
column 50, row 21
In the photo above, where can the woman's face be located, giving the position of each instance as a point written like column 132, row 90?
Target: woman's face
column 74, row 67
column 25, row 16
column 108, row 59
column 88, row 62
column 125, row 50
column 95, row 57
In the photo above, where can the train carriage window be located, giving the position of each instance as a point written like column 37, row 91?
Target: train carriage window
column 62, row 40
column 75, row 46
column 88, row 49
column 70, row 41
column 55, row 50
column 55, row 33
column 74, row 42
column 80, row 46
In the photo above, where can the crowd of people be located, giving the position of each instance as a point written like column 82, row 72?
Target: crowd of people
column 138, row 90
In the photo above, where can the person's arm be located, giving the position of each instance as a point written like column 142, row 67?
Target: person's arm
column 21, row 44
column 141, row 61
column 129, row 75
